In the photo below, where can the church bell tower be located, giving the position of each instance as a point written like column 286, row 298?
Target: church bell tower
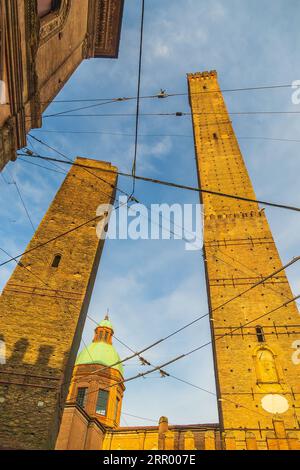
column 97, row 382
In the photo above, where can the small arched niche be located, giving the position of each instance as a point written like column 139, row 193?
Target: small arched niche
column 266, row 368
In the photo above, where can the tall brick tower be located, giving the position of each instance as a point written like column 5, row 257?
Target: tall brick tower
column 258, row 366
column 44, row 305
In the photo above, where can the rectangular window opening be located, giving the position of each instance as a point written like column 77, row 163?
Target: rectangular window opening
column 102, row 401
column 81, row 396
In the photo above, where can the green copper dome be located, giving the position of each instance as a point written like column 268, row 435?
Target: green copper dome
column 100, row 353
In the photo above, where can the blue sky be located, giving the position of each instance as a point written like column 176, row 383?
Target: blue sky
column 153, row 287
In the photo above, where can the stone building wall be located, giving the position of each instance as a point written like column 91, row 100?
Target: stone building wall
column 38, row 55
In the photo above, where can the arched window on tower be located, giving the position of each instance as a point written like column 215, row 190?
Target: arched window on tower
column 260, row 334
column 44, row 7
column 56, row 261
column 266, row 366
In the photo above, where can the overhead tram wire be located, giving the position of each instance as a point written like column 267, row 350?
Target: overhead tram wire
column 179, row 186
column 239, row 295
column 82, row 108
column 213, row 255
column 193, row 351
column 13, row 182
column 31, row 139
column 164, row 374
column 179, row 357
column 254, row 285
column 70, row 161
column 196, row 320
column 53, row 131
column 168, row 95
column 117, row 339
column 220, row 259
column 173, row 114
column 97, row 218
column 114, row 199
column 43, row 167
column 129, row 197
column 137, row 117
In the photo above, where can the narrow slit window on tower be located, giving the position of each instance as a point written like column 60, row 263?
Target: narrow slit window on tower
column 215, row 136
column 260, row 334
column 56, row 261
column 81, row 396
column 102, row 402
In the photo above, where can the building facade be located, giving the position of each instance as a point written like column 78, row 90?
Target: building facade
column 42, row 42
column 43, row 307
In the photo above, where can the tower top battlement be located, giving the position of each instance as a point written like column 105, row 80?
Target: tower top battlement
column 203, row 75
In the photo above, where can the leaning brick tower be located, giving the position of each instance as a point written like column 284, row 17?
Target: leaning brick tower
column 44, row 305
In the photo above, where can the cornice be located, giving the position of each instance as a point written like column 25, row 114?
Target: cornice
column 105, row 22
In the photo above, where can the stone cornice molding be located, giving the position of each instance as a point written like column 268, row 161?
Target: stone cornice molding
column 104, row 28
column 32, row 31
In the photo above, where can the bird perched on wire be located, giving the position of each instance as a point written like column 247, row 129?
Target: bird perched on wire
column 162, row 94
column 163, row 374
column 144, row 361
